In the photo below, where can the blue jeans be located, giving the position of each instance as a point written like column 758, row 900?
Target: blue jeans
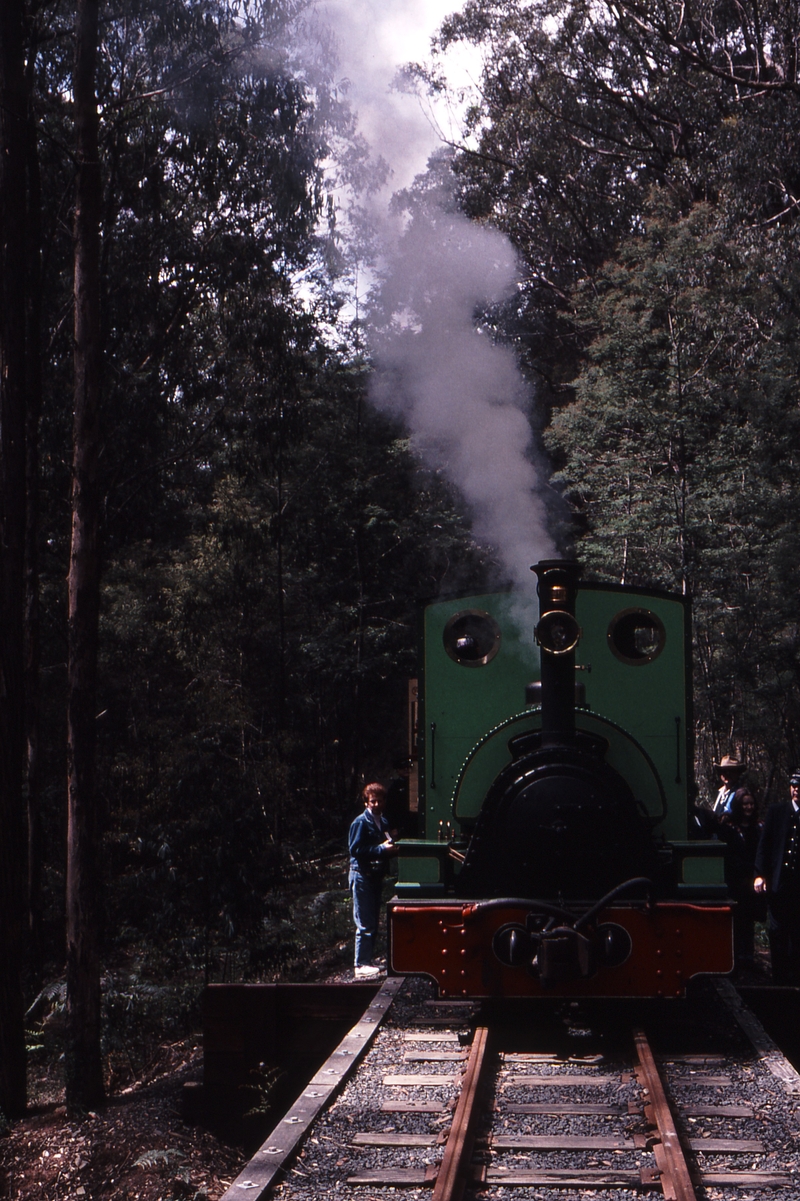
column 366, row 914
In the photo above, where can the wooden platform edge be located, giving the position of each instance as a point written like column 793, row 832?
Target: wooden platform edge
column 257, row 1177
column 765, row 1047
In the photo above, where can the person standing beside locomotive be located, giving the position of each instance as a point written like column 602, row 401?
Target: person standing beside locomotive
column 730, row 772
column 371, row 846
column 778, row 875
column 741, row 834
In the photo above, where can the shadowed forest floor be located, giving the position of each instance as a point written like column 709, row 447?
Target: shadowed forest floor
column 138, row 1148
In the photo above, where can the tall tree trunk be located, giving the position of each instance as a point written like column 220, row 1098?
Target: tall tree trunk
column 84, row 1072
column 12, row 536
column 33, row 352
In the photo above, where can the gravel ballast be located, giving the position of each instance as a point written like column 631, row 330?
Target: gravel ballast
column 586, row 1051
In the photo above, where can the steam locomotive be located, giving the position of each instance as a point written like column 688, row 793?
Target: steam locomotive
column 554, row 795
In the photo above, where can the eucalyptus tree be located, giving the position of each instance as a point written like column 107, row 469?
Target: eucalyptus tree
column 13, row 408
column 185, row 154
column 84, row 1069
column 679, row 456
column 583, row 107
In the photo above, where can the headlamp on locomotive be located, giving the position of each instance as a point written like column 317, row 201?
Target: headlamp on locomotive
column 571, row 872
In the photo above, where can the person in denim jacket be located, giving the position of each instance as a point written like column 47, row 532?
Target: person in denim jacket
column 371, row 846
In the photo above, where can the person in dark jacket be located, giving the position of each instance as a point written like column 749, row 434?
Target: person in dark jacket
column 741, row 836
column 778, row 875
column 371, row 847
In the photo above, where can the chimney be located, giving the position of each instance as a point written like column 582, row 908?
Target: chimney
column 557, row 635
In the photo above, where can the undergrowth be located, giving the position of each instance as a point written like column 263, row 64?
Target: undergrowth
column 152, row 992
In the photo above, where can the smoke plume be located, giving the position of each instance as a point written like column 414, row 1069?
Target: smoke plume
column 460, row 392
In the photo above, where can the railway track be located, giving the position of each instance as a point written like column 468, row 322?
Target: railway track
column 453, row 1099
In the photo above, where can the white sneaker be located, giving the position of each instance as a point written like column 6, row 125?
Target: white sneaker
column 367, row 972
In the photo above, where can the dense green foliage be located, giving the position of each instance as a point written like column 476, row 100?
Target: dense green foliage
column 265, row 533
column 680, row 454
column 644, row 160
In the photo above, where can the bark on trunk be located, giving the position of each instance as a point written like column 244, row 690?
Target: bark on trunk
column 12, row 534
column 33, row 352
column 84, row 1074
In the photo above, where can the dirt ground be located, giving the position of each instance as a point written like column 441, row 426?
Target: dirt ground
column 139, row 1148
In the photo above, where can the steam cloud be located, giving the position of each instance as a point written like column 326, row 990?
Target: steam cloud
column 461, row 393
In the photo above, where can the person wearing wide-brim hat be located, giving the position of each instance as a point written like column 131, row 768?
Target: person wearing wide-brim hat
column 730, row 772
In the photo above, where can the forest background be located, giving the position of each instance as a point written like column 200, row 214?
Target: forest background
column 263, row 533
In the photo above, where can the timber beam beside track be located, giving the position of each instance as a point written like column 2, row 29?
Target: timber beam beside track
column 257, row 1177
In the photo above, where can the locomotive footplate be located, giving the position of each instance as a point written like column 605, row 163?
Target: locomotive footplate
column 520, row 948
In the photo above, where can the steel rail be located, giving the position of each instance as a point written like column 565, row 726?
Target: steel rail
column 452, row 1176
column 676, row 1181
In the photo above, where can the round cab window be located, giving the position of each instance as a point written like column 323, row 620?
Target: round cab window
column 471, row 637
column 637, row 636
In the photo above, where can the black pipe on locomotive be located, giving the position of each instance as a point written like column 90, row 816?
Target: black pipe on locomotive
column 557, row 634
